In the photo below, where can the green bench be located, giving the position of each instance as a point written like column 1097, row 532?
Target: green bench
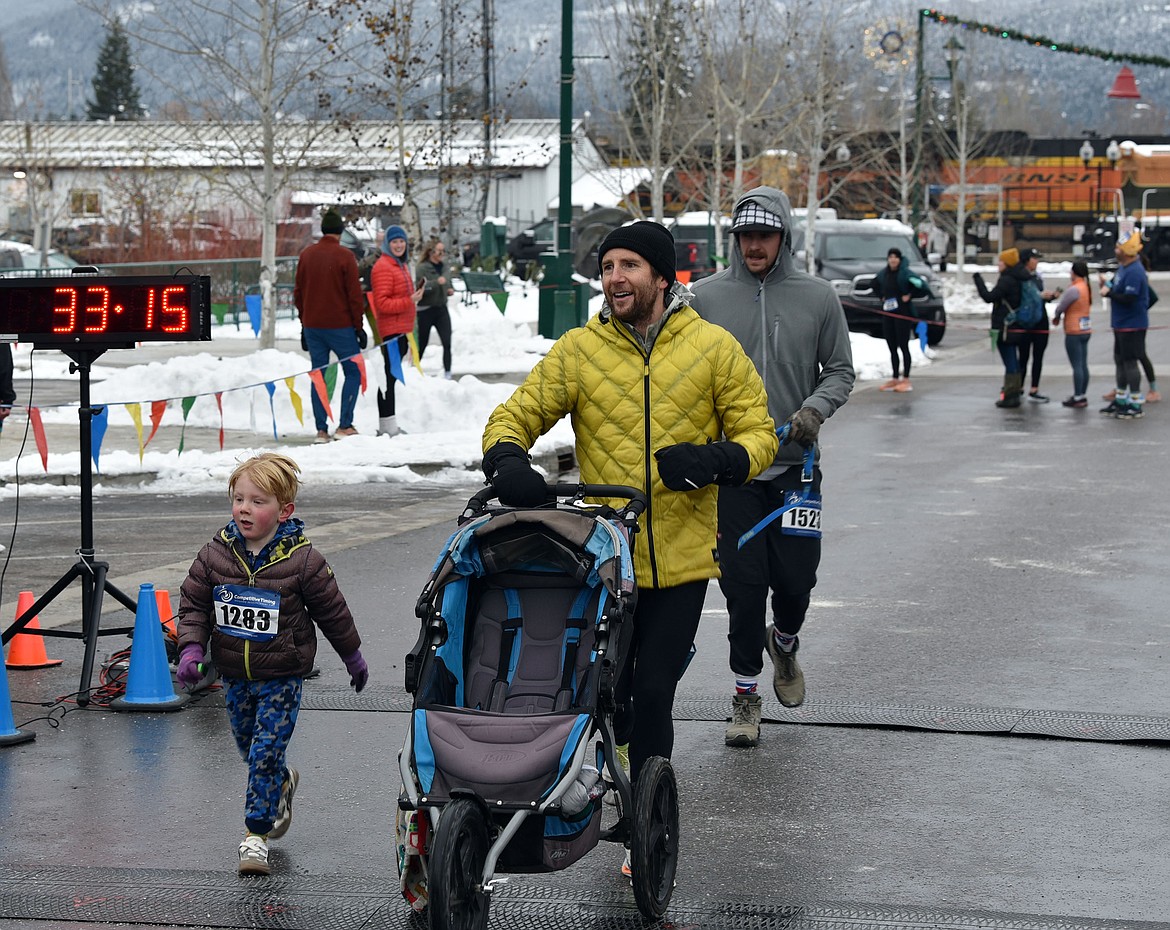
column 481, row 282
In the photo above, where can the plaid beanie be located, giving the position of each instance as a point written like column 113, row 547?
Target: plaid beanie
column 331, row 222
column 751, row 217
column 652, row 241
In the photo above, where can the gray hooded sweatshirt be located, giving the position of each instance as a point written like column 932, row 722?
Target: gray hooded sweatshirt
column 790, row 324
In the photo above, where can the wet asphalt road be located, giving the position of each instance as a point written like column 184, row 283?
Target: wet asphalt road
column 983, row 743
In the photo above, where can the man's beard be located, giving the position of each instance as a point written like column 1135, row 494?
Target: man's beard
column 645, row 300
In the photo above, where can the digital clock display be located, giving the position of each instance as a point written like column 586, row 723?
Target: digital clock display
column 99, row 310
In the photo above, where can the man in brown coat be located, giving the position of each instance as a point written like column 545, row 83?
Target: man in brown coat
column 330, row 304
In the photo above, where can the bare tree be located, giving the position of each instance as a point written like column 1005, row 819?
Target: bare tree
column 659, row 123
column 959, row 135
column 830, row 126
column 7, row 103
column 745, row 48
column 255, row 61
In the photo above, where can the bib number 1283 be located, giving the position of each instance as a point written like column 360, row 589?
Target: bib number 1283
column 249, row 613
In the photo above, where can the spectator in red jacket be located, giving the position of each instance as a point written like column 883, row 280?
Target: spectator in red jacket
column 330, row 304
column 395, row 299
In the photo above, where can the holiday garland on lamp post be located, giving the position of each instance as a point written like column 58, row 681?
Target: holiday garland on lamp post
column 1043, row 41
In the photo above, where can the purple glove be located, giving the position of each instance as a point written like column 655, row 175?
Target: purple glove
column 190, row 674
column 359, row 672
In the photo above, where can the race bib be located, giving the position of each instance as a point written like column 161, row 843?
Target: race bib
column 249, row 613
column 1083, row 323
column 802, row 515
column 890, row 304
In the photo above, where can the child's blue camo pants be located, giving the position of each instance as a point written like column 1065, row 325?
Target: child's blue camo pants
column 263, row 715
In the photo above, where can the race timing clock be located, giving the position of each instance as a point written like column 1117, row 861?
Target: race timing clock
column 105, row 311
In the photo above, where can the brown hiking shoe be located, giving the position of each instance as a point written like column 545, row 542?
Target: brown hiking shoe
column 787, row 678
column 744, row 729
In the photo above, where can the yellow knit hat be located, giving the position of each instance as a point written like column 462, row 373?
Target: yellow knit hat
column 1132, row 245
column 1010, row 257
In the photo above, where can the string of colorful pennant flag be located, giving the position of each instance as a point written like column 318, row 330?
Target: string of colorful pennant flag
column 322, row 379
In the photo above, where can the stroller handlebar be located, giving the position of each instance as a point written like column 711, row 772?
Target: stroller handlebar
column 634, row 508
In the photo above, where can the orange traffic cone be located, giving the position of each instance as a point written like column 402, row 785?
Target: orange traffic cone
column 27, row 649
column 165, row 615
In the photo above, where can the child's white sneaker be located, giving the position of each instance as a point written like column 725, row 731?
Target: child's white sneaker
column 254, row 855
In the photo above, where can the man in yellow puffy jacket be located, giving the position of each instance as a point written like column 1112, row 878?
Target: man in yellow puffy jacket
column 662, row 401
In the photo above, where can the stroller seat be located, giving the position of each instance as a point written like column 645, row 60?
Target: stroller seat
column 500, row 757
column 530, row 646
column 515, row 733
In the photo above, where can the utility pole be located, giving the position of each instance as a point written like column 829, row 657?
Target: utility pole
column 488, row 108
column 558, row 308
column 919, row 109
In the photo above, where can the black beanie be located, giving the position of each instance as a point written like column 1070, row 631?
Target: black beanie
column 652, row 241
column 331, row 222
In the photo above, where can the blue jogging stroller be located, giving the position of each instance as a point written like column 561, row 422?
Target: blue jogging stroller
column 526, row 623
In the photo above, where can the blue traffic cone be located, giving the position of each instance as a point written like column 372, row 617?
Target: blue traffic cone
column 148, row 681
column 9, row 735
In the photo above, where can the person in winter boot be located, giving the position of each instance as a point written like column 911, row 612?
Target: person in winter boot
column 1034, row 339
column 793, row 329
column 1004, row 298
column 435, row 281
column 1129, row 315
column 892, row 286
column 662, row 401
column 329, row 302
column 255, row 596
column 1074, row 308
column 394, row 298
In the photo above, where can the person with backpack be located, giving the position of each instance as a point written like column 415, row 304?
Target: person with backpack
column 1005, row 335
column 1032, row 321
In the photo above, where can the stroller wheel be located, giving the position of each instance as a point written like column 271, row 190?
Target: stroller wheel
column 654, row 839
column 457, row 901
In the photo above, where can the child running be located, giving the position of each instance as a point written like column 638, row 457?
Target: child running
column 254, row 593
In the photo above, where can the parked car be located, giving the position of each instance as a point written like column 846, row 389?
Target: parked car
column 585, row 236
column 15, row 254
column 850, row 252
column 697, row 242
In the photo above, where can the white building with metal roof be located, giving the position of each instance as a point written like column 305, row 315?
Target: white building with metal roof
column 58, row 175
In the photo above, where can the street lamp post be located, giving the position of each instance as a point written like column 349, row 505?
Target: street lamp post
column 1086, row 154
column 954, row 53
column 1113, row 154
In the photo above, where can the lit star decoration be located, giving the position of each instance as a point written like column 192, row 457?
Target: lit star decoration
column 886, row 45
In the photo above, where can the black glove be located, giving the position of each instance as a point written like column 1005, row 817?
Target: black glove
column 804, row 426
column 304, row 340
column 362, row 339
column 688, row 467
column 515, row 481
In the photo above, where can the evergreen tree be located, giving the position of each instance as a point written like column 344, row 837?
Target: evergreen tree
column 115, row 92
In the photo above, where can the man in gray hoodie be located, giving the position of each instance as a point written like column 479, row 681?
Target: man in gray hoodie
column 793, row 329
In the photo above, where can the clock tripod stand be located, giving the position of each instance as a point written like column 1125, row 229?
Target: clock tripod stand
column 83, row 315
column 87, row 569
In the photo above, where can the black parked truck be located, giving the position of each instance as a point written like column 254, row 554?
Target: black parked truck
column 848, row 253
